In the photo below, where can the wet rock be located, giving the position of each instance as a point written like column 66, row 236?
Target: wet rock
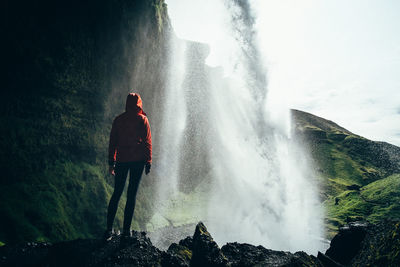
column 357, row 244
column 187, row 242
column 301, row 258
column 326, row 261
column 249, row 255
column 176, row 256
column 29, row 254
column 135, row 251
column 347, row 243
column 205, row 250
column 350, row 219
column 337, row 200
column 355, row 187
column 381, row 246
column 364, row 244
column 71, row 253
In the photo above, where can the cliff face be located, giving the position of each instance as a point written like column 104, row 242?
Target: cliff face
column 68, row 68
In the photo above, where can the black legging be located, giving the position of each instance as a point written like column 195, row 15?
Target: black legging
column 135, row 174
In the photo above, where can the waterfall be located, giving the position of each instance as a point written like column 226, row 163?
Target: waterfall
column 222, row 159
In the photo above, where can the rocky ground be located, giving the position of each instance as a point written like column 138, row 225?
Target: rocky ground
column 356, row 244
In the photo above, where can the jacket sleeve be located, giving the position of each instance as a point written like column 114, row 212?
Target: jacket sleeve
column 147, row 141
column 112, row 146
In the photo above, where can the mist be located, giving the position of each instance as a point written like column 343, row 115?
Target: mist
column 228, row 145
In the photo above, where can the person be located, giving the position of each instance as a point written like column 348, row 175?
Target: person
column 130, row 149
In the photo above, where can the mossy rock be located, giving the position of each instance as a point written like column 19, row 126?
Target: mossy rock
column 337, row 136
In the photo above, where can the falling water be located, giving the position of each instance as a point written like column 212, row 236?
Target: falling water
column 222, row 160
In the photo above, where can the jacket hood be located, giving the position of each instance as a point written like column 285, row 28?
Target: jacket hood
column 134, row 104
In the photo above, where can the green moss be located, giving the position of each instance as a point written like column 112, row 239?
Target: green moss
column 376, row 201
column 388, row 252
column 181, row 251
column 70, row 205
column 160, row 13
column 185, row 253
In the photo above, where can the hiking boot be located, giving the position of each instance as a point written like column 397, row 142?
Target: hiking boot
column 126, row 234
column 108, row 235
column 125, row 237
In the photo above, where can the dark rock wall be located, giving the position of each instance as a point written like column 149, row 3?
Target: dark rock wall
column 67, row 68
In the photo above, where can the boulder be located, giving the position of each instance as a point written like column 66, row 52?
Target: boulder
column 355, row 187
column 205, row 250
column 136, row 251
column 249, row 255
column 381, row 246
column 187, row 242
column 364, row 244
column 326, row 261
column 176, row 256
column 347, row 243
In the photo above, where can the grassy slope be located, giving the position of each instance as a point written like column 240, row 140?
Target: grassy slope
column 343, row 159
column 375, row 201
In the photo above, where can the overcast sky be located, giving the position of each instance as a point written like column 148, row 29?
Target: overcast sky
column 338, row 59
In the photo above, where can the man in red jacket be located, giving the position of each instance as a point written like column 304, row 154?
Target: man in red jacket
column 129, row 150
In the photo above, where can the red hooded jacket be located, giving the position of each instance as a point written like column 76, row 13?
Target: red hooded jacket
column 130, row 138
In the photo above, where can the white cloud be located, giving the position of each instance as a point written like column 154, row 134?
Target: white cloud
column 337, row 59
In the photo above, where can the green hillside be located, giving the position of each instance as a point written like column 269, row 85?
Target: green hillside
column 359, row 178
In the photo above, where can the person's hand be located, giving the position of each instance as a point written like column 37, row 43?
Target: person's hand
column 111, row 170
column 147, row 168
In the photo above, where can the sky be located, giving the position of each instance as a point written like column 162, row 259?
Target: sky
column 338, row 59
